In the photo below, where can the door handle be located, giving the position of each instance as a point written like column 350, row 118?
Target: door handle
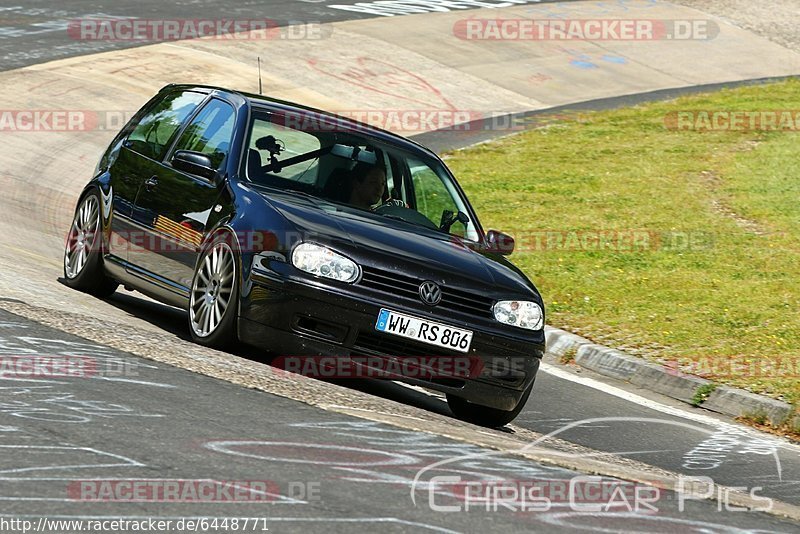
column 151, row 184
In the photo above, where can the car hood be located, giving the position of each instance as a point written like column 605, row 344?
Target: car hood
column 396, row 245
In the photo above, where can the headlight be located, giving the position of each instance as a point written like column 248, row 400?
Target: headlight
column 519, row 313
column 322, row 261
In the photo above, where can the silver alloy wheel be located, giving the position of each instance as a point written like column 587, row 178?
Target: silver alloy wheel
column 82, row 237
column 212, row 289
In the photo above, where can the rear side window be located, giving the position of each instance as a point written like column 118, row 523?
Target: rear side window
column 152, row 135
column 210, row 132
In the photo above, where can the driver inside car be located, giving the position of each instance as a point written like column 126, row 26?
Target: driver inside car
column 368, row 186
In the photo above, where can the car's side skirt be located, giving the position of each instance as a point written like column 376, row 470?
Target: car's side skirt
column 146, row 282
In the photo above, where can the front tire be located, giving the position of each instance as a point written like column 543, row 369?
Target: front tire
column 483, row 415
column 83, row 255
column 213, row 303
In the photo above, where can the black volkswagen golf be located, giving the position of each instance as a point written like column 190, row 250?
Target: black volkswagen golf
column 314, row 237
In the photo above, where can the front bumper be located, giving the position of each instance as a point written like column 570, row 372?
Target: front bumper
column 295, row 316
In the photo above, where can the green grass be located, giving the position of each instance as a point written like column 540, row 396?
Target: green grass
column 731, row 295
column 702, row 394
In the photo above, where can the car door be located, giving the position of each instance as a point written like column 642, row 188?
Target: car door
column 142, row 147
column 173, row 206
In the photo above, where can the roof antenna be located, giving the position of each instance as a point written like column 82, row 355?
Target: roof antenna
column 259, row 76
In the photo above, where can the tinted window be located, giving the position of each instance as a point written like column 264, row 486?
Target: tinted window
column 210, row 132
column 151, row 136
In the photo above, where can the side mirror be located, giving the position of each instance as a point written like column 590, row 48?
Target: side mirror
column 500, row 242
column 195, row 163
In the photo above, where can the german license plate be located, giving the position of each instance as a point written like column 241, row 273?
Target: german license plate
column 423, row 330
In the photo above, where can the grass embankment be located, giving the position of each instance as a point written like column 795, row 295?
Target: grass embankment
column 698, row 260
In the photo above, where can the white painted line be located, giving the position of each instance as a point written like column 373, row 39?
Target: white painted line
column 663, row 408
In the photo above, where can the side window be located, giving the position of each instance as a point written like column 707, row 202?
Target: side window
column 210, row 132
column 432, row 197
column 292, row 142
column 151, row 136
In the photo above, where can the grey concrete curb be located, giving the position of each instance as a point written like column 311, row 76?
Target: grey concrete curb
column 667, row 381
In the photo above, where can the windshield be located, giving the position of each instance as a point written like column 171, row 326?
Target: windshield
column 351, row 169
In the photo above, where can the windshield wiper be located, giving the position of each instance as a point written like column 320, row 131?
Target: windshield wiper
column 397, row 218
column 298, row 193
column 415, row 223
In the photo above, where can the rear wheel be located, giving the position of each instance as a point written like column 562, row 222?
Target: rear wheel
column 214, row 297
column 483, row 415
column 83, row 255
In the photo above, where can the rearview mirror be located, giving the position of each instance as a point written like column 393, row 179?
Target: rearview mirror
column 500, row 242
column 354, row 154
column 194, row 163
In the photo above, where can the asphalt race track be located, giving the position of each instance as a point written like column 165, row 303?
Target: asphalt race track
column 74, row 440
column 318, row 456
column 37, row 31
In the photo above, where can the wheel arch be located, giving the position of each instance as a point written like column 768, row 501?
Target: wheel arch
column 232, row 238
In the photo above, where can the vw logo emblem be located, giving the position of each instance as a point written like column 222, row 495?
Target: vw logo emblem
column 430, row 293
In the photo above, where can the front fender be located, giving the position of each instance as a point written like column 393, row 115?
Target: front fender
column 254, row 228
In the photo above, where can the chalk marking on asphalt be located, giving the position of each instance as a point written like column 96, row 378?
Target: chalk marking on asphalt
column 130, row 381
column 229, row 447
column 511, row 446
column 630, row 397
column 659, row 407
column 126, row 462
column 4, row 378
column 788, row 510
column 562, row 520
